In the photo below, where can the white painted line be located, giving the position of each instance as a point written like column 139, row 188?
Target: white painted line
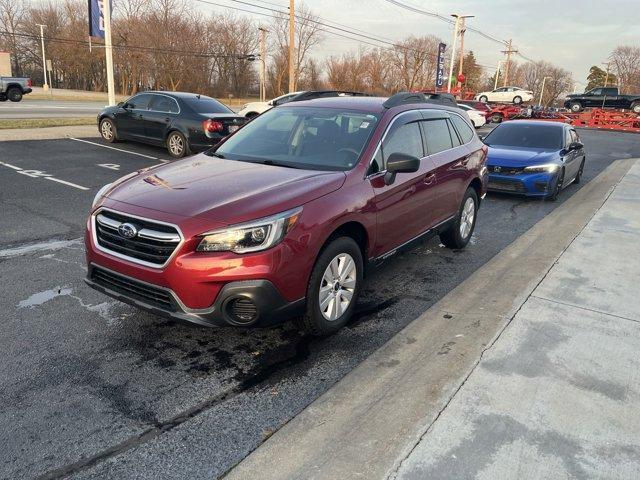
column 117, row 149
column 64, row 182
column 38, row 247
column 10, row 166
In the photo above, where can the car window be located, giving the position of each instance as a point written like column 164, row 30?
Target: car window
column 140, row 101
column 574, row 136
column 302, row 137
column 500, row 89
column 463, row 128
column 406, row 138
column 162, row 103
column 284, row 99
column 438, row 135
column 596, row 91
column 523, row 135
column 203, row 104
column 609, row 91
column 567, row 137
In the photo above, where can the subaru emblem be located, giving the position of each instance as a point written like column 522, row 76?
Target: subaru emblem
column 127, row 230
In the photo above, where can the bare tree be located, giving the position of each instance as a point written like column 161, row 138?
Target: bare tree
column 626, row 65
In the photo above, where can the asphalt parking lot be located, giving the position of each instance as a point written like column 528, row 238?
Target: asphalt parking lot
column 91, row 388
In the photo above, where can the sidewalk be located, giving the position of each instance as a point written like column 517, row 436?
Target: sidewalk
column 529, row 369
column 558, row 394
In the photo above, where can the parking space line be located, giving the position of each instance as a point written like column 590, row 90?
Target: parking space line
column 10, row 166
column 64, row 182
column 119, row 149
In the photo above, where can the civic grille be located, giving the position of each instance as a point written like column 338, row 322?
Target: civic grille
column 131, row 288
column 506, row 185
column 505, row 170
column 148, row 242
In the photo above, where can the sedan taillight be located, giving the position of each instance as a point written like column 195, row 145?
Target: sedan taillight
column 212, row 126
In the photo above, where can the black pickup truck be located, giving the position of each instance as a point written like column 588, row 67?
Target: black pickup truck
column 602, row 97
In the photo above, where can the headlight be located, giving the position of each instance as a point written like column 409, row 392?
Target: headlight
column 250, row 237
column 100, row 194
column 547, row 167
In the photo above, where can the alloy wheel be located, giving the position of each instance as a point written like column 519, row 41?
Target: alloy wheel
column 106, row 129
column 176, row 145
column 467, row 217
column 337, row 286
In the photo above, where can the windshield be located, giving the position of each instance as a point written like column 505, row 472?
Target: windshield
column 514, row 134
column 202, row 104
column 302, row 137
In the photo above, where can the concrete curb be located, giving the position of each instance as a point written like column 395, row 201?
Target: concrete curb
column 48, row 133
column 370, row 420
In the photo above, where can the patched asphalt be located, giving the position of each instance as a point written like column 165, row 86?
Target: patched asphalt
column 92, row 388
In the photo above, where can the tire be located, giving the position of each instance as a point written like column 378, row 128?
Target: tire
column 635, row 107
column 496, row 118
column 177, row 145
column 558, row 188
column 3, row 97
column 108, row 130
column 580, row 171
column 458, row 234
column 342, row 253
column 14, row 94
column 517, row 100
column 483, row 99
column 575, row 107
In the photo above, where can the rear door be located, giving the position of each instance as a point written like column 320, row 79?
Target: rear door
column 162, row 111
column 403, row 208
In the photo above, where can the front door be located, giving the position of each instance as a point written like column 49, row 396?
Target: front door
column 128, row 118
column 403, row 208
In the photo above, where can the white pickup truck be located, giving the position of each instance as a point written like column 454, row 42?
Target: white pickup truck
column 13, row 88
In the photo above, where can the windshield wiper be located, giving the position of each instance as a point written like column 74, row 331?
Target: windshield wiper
column 216, row 154
column 277, row 164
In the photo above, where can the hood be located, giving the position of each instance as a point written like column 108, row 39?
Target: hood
column 520, row 157
column 224, row 191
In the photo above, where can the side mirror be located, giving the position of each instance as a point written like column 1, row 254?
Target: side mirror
column 574, row 146
column 400, row 163
column 271, row 103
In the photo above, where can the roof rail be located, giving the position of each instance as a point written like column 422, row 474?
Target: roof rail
column 403, row 98
column 312, row 94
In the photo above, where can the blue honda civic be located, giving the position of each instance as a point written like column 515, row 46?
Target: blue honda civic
column 534, row 158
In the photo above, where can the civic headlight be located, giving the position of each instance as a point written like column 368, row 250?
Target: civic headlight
column 100, row 194
column 547, row 167
column 250, row 237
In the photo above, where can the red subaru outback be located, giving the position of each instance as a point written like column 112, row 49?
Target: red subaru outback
column 283, row 217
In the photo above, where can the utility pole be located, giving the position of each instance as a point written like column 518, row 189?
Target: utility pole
column 292, row 47
column 495, row 83
column 263, row 60
column 508, row 52
column 108, row 50
column 45, row 85
column 542, row 90
column 453, row 47
column 462, row 30
column 606, row 78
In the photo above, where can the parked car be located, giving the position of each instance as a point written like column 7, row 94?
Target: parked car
column 603, row 97
column 184, row 123
column 535, row 158
column 477, row 105
column 477, row 117
column 253, row 109
column 515, row 95
column 281, row 218
column 13, row 88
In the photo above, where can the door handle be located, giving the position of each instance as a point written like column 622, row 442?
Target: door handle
column 429, row 179
column 167, row 120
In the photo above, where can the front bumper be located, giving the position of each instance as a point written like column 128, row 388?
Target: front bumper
column 260, row 303
column 539, row 184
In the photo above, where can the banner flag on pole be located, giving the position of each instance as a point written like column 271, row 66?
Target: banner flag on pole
column 440, row 65
column 96, row 17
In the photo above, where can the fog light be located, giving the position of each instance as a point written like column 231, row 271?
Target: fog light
column 242, row 310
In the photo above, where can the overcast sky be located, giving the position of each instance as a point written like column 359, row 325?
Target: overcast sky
column 574, row 34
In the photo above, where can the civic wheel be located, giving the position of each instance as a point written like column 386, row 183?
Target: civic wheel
column 635, row 107
column 558, row 186
column 177, row 145
column 108, row 130
column 459, row 232
column 575, row 107
column 483, row 99
column 517, row 100
column 14, row 94
column 579, row 174
column 333, row 287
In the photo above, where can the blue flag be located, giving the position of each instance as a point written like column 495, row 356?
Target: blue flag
column 96, row 17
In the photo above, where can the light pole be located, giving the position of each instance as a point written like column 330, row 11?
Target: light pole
column 263, row 67
column 108, row 49
column 292, row 47
column 542, row 90
column 458, row 18
column 495, row 84
column 45, row 85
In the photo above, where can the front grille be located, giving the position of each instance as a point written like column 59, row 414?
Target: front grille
column 505, row 170
column 131, row 288
column 506, row 185
column 153, row 244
